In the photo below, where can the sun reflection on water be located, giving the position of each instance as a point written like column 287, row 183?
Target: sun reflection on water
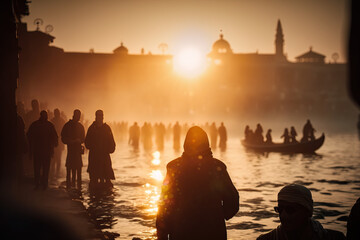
column 156, row 156
column 157, row 175
column 152, row 188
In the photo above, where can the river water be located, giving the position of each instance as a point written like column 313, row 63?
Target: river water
column 332, row 175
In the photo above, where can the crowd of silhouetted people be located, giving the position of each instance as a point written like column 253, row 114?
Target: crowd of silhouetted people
column 156, row 134
column 256, row 137
column 44, row 134
column 197, row 194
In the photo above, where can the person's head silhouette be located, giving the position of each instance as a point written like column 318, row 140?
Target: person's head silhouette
column 56, row 113
column 196, row 141
column 295, row 207
column 76, row 115
column 35, row 105
column 43, row 115
column 99, row 116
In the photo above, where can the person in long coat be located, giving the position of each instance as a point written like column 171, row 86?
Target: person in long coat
column 197, row 194
column 73, row 135
column 42, row 139
column 100, row 142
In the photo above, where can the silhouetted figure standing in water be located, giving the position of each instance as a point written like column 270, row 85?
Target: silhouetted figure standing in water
column 286, row 136
column 295, row 209
column 197, row 194
column 160, row 132
column 293, row 135
column 222, row 136
column 146, row 136
column 100, row 142
column 268, row 136
column 73, row 135
column 58, row 122
column 353, row 223
column 259, row 133
column 176, row 136
column 308, row 132
column 134, row 135
column 213, row 135
column 43, row 139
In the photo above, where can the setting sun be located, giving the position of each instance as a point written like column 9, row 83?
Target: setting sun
column 189, row 62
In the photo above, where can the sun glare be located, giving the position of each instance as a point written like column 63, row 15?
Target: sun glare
column 189, row 62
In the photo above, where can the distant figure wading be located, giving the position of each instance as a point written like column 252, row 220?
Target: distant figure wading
column 197, row 194
column 222, row 136
column 134, row 135
column 73, row 135
column 100, row 142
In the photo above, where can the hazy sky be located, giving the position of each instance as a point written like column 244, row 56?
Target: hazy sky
column 248, row 25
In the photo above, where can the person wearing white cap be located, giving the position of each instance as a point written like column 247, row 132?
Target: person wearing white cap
column 295, row 209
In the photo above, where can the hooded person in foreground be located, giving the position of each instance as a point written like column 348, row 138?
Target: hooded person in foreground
column 295, row 208
column 197, row 194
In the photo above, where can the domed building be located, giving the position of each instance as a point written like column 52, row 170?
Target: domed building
column 222, row 53
column 122, row 50
column 221, row 46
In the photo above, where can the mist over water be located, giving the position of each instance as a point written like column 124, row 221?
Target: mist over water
column 332, row 176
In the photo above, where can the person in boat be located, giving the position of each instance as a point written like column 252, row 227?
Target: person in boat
column 353, row 223
column 252, row 137
column 259, row 133
column 268, row 136
column 308, row 132
column 295, row 209
column 246, row 133
column 197, row 194
column 286, row 136
column 293, row 135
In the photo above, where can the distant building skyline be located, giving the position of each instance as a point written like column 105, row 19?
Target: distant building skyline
column 248, row 25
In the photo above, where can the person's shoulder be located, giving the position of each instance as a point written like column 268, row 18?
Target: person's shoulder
column 79, row 124
column 174, row 163
column 50, row 123
column 268, row 236
column 92, row 126
column 106, row 126
column 218, row 163
column 33, row 124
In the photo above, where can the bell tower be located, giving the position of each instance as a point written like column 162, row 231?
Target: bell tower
column 279, row 40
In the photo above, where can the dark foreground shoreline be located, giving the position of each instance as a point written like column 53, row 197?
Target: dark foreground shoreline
column 54, row 213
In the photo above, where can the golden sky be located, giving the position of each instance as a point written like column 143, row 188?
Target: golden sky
column 248, row 25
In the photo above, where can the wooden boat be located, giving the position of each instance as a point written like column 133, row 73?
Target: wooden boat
column 298, row 147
